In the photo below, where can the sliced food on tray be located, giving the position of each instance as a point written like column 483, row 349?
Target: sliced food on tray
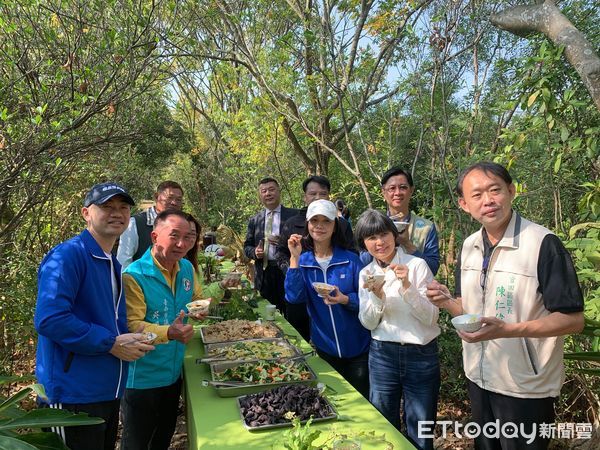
column 277, row 407
column 236, row 330
column 265, row 372
column 252, row 349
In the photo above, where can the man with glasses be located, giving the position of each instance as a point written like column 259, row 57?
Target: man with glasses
column 136, row 239
column 418, row 236
column 520, row 277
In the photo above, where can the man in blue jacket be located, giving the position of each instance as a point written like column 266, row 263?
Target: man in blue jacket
column 83, row 345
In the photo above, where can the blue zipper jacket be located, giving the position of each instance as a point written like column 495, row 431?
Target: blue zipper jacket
column 162, row 366
column 334, row 329
column 78, row 321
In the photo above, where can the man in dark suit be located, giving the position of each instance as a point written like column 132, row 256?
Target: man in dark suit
column 261, row 241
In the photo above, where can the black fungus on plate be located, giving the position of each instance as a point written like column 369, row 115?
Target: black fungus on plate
column 271, row 407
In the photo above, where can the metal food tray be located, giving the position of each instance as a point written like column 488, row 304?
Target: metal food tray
column 283, row 342
column 280, row 334
column 246, row 388
column 333, row 416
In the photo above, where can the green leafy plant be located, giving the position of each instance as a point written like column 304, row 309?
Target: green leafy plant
column 21, row 429
column 301, row 437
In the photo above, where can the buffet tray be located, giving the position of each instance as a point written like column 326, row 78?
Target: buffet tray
column 207, row 339
column 332, row 416
column 247, row 388
column 280, row 341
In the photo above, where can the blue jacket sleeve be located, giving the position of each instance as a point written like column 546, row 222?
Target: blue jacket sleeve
column 365, row 258
column 431, row 251
column 295, row 290
column 353, row 301
column 58, row 285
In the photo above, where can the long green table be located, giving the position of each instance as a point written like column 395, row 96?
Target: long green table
column 214, row 422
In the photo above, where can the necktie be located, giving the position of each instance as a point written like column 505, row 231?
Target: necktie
column 268, row 232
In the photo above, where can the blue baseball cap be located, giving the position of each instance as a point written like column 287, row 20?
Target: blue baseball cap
column 101, row 193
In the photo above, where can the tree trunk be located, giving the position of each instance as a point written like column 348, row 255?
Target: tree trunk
column 546, row 18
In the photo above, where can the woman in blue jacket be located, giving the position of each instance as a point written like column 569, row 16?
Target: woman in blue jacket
column 336, row 332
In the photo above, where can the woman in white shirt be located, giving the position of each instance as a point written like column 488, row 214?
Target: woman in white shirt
column 403, row 356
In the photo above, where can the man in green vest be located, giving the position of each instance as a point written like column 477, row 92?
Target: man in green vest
column 136, row 239
column 157, row 288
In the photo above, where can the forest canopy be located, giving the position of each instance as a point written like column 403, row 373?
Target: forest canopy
column 219, row 94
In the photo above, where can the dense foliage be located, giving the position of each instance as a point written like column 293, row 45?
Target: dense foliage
column 219, row 94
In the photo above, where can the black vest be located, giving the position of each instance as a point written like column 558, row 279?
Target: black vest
column 143, row 232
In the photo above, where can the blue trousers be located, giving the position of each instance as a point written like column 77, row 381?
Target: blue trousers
column 405, row 373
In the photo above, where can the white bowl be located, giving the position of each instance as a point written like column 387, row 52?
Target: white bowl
column 467, row 322
column 198, row 307
column 375, row 278
column 148, row 337
column 323, row 288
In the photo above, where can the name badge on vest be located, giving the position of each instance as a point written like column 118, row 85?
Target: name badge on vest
column 187, row 284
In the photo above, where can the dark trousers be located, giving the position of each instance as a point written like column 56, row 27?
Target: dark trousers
column 271, row 287
column 297, row 315
column 149, row 417
column 90, row 437
column 354, row 370
column 487, row 407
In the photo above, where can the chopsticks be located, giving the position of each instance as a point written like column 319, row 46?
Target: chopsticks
column 133, row 341
column 448, row 296
column 205, row 317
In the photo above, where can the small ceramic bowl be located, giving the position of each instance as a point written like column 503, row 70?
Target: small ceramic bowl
column 323, row 288
column 148, row 337
column 198, row 307
column 375, row 279
column 467, row 322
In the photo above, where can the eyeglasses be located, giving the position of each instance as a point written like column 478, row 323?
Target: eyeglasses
column 178, row 201
column 393, row 188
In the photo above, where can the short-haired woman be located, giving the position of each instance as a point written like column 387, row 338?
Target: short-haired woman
column 403, row 357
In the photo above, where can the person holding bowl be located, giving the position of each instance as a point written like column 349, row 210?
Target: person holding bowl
column 403, row 356
column 335, row 330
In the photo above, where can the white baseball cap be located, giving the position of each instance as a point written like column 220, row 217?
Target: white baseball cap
column 321, row 208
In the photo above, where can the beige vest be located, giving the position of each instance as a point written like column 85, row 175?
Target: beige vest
column 418, row 229
column 518, row 367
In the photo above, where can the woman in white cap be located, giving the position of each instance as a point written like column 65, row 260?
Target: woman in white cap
column 335, row 330
column 403, row 357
